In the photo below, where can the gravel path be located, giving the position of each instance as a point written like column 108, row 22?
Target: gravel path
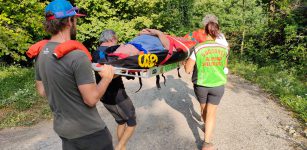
column 168, row 120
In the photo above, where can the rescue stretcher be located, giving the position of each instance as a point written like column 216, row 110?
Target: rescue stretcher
column 143, row 73
column 145, row 65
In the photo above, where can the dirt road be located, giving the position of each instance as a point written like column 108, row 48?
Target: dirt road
column 168, row 120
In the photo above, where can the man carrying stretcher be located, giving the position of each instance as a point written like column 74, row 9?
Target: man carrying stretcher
column 115, row 99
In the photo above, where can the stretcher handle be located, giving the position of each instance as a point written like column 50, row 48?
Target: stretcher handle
column 98, row 67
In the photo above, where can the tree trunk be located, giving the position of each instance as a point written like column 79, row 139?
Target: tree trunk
column 272, row 8
column 243, row 24
column 242, row 43
column 271, row 11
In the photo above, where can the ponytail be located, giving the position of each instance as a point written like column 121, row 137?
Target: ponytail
column 212, row 29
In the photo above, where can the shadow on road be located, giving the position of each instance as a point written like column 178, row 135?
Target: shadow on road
column 177, row 95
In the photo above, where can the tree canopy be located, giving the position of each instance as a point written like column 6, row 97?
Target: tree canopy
column 262, row 31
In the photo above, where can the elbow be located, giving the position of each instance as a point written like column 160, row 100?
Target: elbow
column 90, row 103
column 187, row 70
column 40, row 89
column 41, row 92
column 90, row 98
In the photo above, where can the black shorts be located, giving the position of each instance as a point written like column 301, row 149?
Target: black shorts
column 212, row 95
column 101, row 140
column 123, row 112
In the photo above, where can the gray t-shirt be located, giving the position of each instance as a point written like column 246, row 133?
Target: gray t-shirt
column 61, row 77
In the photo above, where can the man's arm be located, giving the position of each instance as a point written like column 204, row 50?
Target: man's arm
column 38, row 80
column 85, row 79
column 40, row 88
column 91, row 93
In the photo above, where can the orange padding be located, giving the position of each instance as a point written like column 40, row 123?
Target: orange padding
column 199, row 36
column 60, row 50
column 178, row 43
column 181, row 44
column 36, row 48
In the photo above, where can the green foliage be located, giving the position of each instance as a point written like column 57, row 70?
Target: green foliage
column 17, row 87
column 19, row 102
column 230, row 14
column 282, row 40
column 273, row 34
column 20, row 25
column 128, row 17
column 296, row 103
column 21, row 21
column 13, row 118
column 284, row 84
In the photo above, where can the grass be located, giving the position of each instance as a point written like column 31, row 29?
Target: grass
column 283, row 84
column 20, row 104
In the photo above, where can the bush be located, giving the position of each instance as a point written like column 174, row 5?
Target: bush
column 20, row 25
column 128, row 17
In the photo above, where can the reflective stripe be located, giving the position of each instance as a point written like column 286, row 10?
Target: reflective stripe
column 209, row 45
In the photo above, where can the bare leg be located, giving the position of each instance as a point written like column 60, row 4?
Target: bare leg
column 210, row 123
column 203, row 109
column 128, row 131
column 120, row 131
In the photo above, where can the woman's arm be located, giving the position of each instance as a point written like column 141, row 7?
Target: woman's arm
column 189, row 65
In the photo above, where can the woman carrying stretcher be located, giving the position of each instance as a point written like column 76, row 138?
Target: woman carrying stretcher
column 207, row 63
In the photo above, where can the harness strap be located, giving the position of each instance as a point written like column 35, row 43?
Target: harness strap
column 120, row 55
column 140, row 81
column 164, row 79
column 170, row 51
column 158, row 82
column 178, row 72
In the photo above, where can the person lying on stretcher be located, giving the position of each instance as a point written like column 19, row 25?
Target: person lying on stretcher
column 151, row 41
